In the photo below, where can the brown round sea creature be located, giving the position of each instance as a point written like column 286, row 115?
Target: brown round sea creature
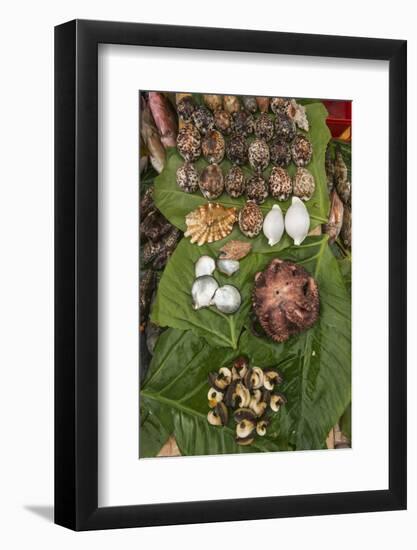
column 304, row 184
column 210, row 222
column 189, row 143
column 256, row 189
column 250, row 219
column 280, row 184
column 234, row 182
column 258, row 154
column 187, row 178
column 264, row 127
column 285, row 300
column 213, row 146
column 223, row 122
column 237, row 150
column 301, row 151
column 280, row 152
column 203, row 119
column 211, row 181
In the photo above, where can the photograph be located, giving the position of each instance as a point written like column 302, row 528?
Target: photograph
column 245, row 238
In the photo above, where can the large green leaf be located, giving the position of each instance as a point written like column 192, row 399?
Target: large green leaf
column 174, row 396
column 175, row 204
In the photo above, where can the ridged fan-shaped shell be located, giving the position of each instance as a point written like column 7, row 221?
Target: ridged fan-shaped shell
column 210, row 222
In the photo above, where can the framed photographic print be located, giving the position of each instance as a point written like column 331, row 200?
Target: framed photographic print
column 230, row 275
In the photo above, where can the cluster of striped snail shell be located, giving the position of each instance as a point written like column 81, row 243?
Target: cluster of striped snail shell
column 258, row 131
column 248, row 394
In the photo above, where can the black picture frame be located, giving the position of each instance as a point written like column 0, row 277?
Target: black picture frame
column 76, row 270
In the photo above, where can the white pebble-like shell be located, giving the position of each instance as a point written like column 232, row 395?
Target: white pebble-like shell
column 228, row 267
column 273, row 226
column 297, row 221
column 227, row 299
column 203, row 290
column 204, row 266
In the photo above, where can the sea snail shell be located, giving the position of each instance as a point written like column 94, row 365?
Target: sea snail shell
column 297, row 221
column 273, row 226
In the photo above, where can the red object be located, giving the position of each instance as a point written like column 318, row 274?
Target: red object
column 340, row 116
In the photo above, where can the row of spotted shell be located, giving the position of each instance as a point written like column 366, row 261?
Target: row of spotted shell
column 203, row 131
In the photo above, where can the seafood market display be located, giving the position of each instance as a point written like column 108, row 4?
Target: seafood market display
column 245, row 235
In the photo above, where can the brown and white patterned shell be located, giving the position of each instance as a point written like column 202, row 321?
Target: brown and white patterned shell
column 280, row 152
column 285, row 127
column 249, row 103
column 231, row 103
column 234, row 182
column 189, row 143
column 304, row 184
column 223, row 122
column 213, row 146
column 187, row 178
column 242, row 123
column 301, row 151
column 237, row 150
column 185, row 108
column 210, row 222
column 264, row 127
column 213, row 102
column 211, row 181
column 258, row 154
column 279, row 104
column 256, row 189
column 203, row 119
column 251, row 219
column 280, row 183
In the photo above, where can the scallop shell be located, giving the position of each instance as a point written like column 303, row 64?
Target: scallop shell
column 210, row 222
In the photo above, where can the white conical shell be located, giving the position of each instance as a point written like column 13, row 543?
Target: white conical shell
column 203, row 290
column 273, row 226
column 228, row 267
column 227, row 299
column 297, row 221
column 204, row 266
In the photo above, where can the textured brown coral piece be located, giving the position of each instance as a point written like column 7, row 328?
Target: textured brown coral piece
column 285, row 300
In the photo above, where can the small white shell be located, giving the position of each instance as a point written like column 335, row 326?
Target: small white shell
column 273, row 226
column 297, row 221
column 204, row 266
column 203, row 290
column 228, row 267
column 227, row 299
